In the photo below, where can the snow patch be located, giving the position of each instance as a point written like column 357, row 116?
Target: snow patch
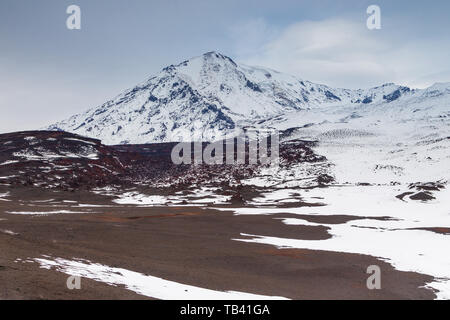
column 143, row 284
column 407, row 239
column 44, row 213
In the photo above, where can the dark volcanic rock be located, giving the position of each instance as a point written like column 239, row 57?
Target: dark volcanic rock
column 422, row 196
column 57, row 159
column 49, row 159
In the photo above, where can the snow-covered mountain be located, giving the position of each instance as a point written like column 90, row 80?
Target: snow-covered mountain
column 208, row 96
column 379, row 157
column 397, row 133
column 403, row 141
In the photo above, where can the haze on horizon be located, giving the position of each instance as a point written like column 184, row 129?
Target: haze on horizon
column 48, row 73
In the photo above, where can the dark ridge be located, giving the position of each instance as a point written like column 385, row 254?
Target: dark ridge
column 69, row 162
column 331, row 96
column 253, row 86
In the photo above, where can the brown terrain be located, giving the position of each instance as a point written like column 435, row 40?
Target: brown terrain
column 186, row 244
column 189, row 245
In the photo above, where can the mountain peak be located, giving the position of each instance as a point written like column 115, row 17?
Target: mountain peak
column 211, row 57
column 215, row 55
column 208, row 96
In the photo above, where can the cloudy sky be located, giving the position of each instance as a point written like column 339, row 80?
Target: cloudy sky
column 48, row 72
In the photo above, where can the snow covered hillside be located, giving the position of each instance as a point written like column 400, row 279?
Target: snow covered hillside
column 387, row 134
column 208, row 96
column 403, row 141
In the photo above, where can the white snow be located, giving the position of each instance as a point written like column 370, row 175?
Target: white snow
column 276, row 196
column 143, row 284
column 3, row 195
column 8, row 232
column 202, row 195
column 141, row 199
column 396, row 240
column 43, row 213
column 43, row 201
column 8, row 162
column 80, row 140
column 85, row 205
column 43, row 155
column 7, row 177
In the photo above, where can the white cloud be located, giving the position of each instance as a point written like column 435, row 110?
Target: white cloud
column 343, row 53
column 248, row 36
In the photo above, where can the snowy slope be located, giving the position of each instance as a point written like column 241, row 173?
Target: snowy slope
column 381, row 153
column 207, row 96
column 383, row 134
column 405, row 140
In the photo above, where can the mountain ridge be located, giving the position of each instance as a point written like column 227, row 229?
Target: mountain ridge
column 206, row 97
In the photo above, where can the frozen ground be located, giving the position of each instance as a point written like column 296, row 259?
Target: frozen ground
column 411, row 235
